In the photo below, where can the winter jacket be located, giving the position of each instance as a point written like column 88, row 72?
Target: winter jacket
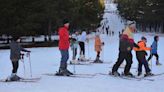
column 98, row 44
column 141, row 52
column 82, row 37
column 63, row 38
column 154, row 47
column 126, row 44
column 15, row 51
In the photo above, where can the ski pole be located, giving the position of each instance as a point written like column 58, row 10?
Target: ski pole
column 74, row 70
column 30, row 65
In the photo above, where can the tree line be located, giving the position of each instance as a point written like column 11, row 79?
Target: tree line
column 43, row 17
column 148, row 14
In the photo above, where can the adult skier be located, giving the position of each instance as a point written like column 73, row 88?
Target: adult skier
column 82, row 39
column 63, row 47
column 126, row 45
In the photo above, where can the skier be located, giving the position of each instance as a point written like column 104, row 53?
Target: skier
column 98, row 45
column 82, row 39
column 140, row 55
column 63, row 47
column 125, row 47
column 74, row 46
column 153, row 51
column 15, row 56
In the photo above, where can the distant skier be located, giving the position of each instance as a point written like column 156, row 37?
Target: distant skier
column 82, row 39
column 74, row 46
column 154, row 52
column 63, row 47
column 98, row 48
column 141, row 57
column 125, row 47
column 15, row 56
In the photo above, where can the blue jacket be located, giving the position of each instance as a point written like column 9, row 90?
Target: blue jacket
column 154, row 47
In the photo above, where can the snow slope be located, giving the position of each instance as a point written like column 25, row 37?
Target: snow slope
column 46, row 60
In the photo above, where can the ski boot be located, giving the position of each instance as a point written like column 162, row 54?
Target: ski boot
column 129, row 74
column 97, row 60
column 157, row 63
column 139, row 73
column 115, row 73
column 148, row 74
column 13, row 77
column 74, row 62
column 69, row 72
column 63, row 72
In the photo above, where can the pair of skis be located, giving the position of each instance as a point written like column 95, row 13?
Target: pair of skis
column 22, row 80
column 73, row 76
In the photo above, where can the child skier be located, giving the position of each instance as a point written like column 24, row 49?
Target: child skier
column 74, row 46
column 141, row 57
column 98, row 45
column 154, row 47
column 82, row 39
column 15, row 56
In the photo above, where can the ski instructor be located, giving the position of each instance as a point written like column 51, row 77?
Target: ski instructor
column 126, row 45
column 64, row 49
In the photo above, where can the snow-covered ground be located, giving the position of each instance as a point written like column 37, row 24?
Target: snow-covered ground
column 46, row 60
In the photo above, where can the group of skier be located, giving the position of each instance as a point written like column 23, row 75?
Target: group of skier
column 126, row 45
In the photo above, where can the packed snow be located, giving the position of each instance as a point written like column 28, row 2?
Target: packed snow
column 47, row 60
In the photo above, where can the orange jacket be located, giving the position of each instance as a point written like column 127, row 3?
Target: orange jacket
column 142, row 46
column 98, row 44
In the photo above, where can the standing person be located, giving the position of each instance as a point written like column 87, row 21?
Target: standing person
column 141, row 57
column 153, row 51
column 82, row 38
column 15, row 56
column 126, row 45
column 74, row 46
column 63, row 47
column 98, row 49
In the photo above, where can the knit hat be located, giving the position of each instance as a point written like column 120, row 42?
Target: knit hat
column 65, row 21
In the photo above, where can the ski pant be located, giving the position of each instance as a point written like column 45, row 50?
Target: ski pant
column 128, row 57
column 74, row 53
column 82, row 48
column 145, row 63
column 98, row 54
column 64, row 59
column 15, row 65
column 151, row 55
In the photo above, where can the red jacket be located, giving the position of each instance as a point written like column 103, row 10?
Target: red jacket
column 63, row 38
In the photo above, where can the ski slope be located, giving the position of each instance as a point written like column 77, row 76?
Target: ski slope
column 46, row 60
